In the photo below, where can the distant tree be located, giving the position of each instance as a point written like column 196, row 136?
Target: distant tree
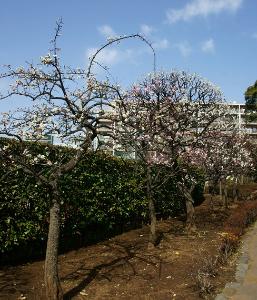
column 252, row 148
column 66, row 102
column 224, row 155
column 251, row 102
column 251, row 95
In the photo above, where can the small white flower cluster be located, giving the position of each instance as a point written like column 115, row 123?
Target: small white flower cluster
column 47, row 59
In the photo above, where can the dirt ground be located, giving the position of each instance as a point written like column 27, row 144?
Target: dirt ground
column 125, row 268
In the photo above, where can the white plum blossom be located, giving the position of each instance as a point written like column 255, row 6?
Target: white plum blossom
column 47, row 59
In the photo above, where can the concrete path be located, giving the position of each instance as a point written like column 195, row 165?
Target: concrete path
column 245, row 287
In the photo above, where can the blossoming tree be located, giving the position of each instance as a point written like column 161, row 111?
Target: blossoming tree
column 226, row 154
column 161, row 118
column 66, row 102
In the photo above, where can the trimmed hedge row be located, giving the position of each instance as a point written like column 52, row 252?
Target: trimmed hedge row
column 101, row 197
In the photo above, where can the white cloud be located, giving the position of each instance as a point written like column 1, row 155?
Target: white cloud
column 208, row 46
column 184, row 48
column 202, row 8
column 254, row 35
column 106, row 56
column 107, row 31
column 146, row 30
column 161, row 44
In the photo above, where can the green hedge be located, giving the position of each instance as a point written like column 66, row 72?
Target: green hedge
column 102, row 196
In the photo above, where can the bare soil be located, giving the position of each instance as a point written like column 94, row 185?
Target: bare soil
column 125, row 267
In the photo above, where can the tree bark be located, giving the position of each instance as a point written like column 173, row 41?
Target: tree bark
column 220, row 188
column 52, row 282
column 153, row 235
column 190, row 211
column 235, row 189
column 225, row 194
column 206, row 188
column 151, row 207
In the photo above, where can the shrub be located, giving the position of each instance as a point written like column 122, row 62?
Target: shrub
column 244, row 215
column 204, row 284
column 102, row 196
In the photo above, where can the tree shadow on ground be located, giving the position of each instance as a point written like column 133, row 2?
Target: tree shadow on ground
column 107, row 270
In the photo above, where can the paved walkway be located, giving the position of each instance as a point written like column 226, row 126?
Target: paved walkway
column 245, row 287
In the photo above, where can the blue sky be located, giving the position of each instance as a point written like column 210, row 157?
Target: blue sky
column 215, row 38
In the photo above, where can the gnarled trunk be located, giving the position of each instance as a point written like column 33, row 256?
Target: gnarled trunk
column 190, row 210
column 52, row 282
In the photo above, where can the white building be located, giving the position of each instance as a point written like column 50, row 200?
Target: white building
column 238, row 111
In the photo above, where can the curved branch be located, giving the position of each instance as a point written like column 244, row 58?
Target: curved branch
column 116, row 40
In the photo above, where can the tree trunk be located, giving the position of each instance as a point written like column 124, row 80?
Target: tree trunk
column 153, row 235
column 190, row 210
column 52, row 282
column 206, row 188
column 212, row 202
column 220, row 188
column 235, row 190
column 225, row 194
column 151, row 207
